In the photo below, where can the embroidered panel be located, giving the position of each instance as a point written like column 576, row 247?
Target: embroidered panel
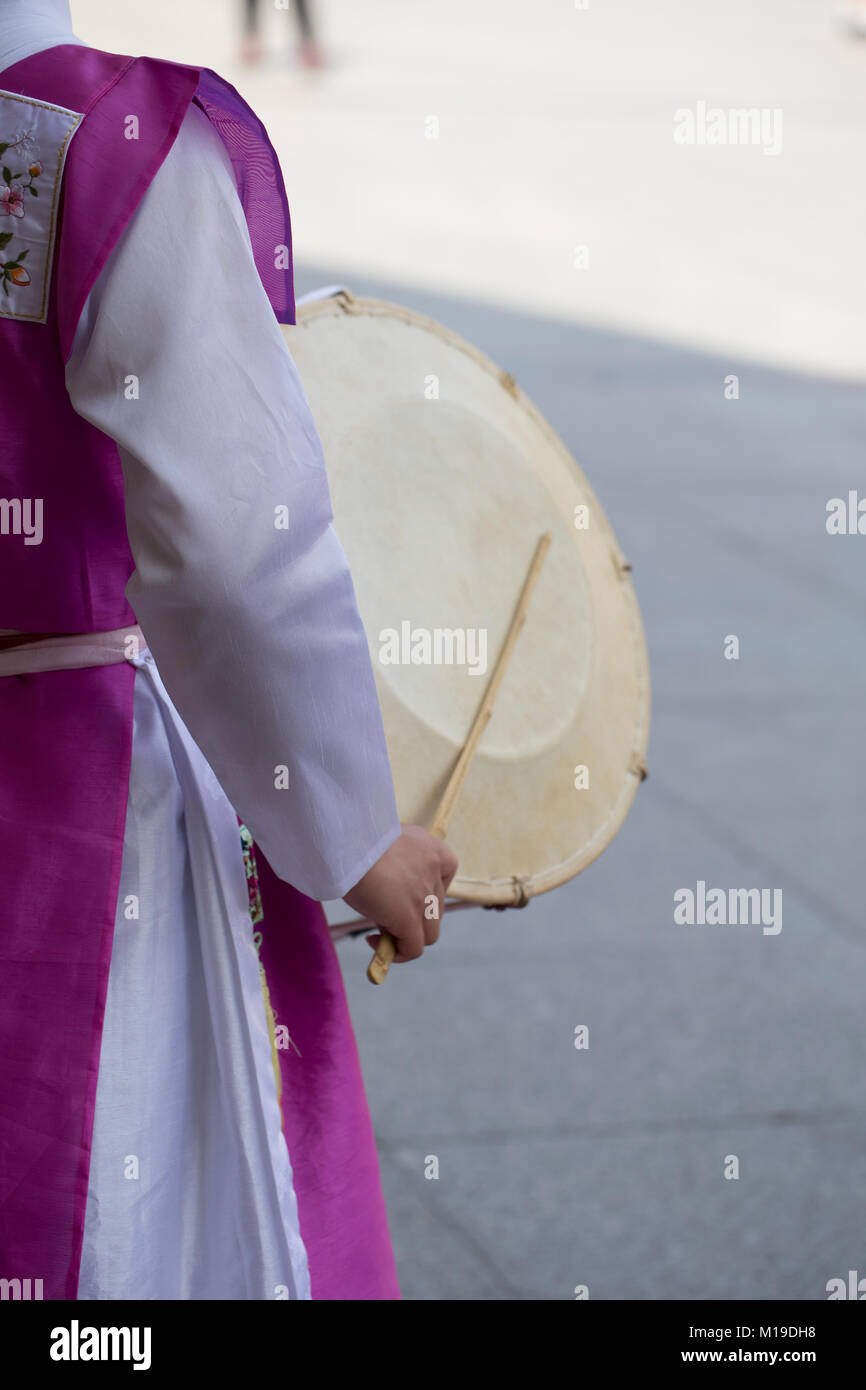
column 34, row 139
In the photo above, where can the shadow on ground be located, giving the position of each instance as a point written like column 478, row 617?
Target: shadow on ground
column 605, row 1167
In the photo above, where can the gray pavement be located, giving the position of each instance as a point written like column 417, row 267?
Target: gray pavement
column 604, row 1167
column 554, row 128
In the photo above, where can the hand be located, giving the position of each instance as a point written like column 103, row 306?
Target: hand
column 396, row 892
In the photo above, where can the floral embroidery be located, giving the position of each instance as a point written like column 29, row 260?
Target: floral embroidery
column 12, row 202
column 257, row 915
column 23, row 142
column 34, row 141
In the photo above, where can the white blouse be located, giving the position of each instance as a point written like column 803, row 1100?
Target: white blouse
column 253, row 622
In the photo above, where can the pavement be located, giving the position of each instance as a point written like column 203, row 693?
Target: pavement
column 473, row 147
column 604, row 1168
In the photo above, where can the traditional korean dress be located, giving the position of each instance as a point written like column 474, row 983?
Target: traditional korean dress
column 182, row 1113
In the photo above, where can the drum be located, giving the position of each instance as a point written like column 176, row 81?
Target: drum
column 443, row 477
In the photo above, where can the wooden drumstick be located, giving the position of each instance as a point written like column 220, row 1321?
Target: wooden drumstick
column 387, row 947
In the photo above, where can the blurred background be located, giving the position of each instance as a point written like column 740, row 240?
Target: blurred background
column 623, row 278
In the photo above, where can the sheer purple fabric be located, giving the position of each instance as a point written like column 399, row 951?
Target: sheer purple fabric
column 260, row 185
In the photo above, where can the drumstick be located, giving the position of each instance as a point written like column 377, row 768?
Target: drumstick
column 387, row 948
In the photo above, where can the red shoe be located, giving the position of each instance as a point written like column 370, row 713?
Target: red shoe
column 252, row 50
column 311, row 55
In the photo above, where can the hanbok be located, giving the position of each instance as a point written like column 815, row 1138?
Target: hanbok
column 191, row 749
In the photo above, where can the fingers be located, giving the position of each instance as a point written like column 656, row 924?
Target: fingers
column 410, row 944
column 423, row 927
column 432, row 923
column 404, row 893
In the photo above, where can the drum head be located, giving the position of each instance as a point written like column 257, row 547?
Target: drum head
column 443, row 476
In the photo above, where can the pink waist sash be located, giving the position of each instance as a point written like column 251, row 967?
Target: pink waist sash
column 70, row 651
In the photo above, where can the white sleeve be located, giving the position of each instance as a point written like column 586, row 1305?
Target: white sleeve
column 254, row 629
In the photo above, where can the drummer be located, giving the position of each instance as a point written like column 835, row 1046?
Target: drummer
column 164, row 586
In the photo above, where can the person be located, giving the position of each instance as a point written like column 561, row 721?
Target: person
column 182, row 1113
column 852, row 16
column 310, row 51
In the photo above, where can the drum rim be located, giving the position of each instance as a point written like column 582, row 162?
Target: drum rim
column 518, row 889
